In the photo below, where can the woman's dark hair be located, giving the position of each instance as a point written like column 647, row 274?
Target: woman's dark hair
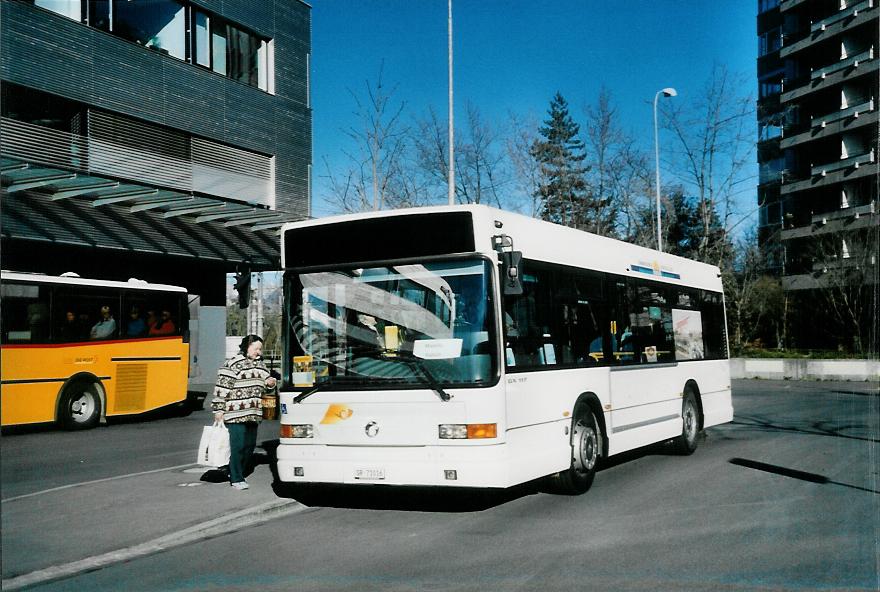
column 247, row 341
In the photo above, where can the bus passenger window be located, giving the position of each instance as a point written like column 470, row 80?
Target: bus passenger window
column 25, row 313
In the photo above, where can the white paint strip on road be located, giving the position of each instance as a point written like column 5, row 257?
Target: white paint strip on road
column 18, row 497
column 212, row 528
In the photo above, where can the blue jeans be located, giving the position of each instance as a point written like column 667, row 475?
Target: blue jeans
column 242, row 441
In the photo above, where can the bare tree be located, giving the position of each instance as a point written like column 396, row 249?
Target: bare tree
column 368, row 179
column 522, row 135
column 755, row 302
column 846, row 274
column 481, row 169
column 609, row 150
column 715, row 144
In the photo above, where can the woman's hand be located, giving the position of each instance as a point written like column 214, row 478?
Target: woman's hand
column 218, row 416
column 270, row 382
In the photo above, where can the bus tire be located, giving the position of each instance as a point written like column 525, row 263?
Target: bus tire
column 80, row 405
column 586, row 448
column 686, row 443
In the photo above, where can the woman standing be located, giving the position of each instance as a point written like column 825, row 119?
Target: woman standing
column 238, row 402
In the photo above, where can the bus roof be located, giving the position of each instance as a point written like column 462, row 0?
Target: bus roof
column 131, row 284
column 553, row 243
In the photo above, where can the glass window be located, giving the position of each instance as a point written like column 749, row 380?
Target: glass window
column 558, row 320
column 765, row 5
column 642, row 325
column 72, row 9
column 769, row 89
column 99, row 14
column 262, row 69
column 714, row 334
column 158, row 24
column 202, row 40
column 84, row 313
column 218, row 48
column 398, row 325
column 243, row 56
column 25, row 313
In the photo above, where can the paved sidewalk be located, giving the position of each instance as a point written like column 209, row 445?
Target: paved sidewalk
column 54, row 534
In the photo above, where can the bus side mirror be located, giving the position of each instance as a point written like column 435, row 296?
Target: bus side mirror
column 510, row 270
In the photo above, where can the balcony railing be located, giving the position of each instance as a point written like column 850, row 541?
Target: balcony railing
column 839, row 16
column 852, row 61
column 853, row 212
column 854, row 111
column 207, row 171
column 844, row 163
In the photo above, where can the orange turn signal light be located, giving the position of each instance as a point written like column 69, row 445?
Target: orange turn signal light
column 482, row 430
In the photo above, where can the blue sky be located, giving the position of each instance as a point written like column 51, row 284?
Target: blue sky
column 512, row 56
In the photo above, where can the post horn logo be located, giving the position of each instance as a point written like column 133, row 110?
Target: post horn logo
column 371, row 429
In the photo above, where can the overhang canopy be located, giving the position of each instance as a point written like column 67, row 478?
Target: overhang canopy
column 51, row 205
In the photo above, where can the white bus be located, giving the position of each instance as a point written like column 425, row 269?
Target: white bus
column 471, row 347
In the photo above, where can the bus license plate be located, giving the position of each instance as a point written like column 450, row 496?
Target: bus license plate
column 369, row 474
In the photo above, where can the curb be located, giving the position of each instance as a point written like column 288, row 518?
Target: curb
column 205, row 530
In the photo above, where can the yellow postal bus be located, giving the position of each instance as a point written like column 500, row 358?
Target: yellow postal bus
column 76, row 351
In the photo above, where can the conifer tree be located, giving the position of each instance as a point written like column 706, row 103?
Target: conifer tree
column 560, row 154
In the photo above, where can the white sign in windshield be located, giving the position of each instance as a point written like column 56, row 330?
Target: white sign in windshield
column 437, row 349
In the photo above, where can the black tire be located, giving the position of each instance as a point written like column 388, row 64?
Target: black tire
column 80, row 406
column 691, row 420
column 586, row 448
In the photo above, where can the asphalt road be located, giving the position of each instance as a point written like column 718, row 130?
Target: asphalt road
column 787, row 497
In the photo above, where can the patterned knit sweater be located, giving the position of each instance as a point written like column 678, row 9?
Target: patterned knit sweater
column 241, row 383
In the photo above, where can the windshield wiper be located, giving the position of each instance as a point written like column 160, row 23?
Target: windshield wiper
column 417, row 363
column 305, row 394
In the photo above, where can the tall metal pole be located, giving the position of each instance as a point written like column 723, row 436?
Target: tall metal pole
column 666, row 92
column 657, row 170
column 451, row 124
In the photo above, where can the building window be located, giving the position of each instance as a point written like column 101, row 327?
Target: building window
column 99, row 14
column 771, row 88
column 202, row 39
column 769, row 42
column 159, row 25
column 218, row 49
column 765, row 5
column 72, row 9
column 246, row 57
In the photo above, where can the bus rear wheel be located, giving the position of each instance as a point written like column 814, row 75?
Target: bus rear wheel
column 586, row 448
column 80, row 406
column 686, row 443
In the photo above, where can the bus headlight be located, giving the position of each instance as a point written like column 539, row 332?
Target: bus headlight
column 304, row 430
column 464, row 431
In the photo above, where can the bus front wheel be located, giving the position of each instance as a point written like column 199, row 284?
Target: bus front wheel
column 80, row 406
column 686, row 443
column 586, row 448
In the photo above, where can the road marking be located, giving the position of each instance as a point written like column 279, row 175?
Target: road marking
column 211, row 528
column 72, row 485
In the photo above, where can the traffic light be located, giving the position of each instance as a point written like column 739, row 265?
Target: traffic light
column 243, row 285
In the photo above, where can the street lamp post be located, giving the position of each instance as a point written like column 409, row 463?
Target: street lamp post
column 451, row 179
column 666, row 92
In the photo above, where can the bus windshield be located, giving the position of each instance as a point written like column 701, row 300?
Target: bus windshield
column 367, row 326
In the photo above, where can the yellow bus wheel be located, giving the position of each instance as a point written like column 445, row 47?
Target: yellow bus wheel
column 80, row 406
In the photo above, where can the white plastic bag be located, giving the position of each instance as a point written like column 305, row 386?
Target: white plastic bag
column 214, row 446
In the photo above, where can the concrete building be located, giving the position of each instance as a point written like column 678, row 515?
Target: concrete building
column 164, row 140
column 817, row 150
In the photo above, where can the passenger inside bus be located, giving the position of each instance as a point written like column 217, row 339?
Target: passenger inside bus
column 71, row 329
column 164, row 326
column 106, row 327
column 38, row 321
column 137, row 327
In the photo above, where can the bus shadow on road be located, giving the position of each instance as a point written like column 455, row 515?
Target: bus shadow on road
column 387, row 497
column 407, row 499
